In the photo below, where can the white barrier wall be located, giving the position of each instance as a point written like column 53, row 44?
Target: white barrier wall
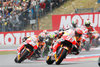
column 13, row 38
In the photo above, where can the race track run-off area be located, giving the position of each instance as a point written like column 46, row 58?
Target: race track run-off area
column 84, row 59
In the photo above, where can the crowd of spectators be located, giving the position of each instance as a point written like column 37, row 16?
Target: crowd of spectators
column 15, row 15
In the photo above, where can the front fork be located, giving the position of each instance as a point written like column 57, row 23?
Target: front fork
column 19, row 53
column 55, row 56
column 18, row 56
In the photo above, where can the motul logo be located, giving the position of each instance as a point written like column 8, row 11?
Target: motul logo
column 94, row 18
column 13, row 38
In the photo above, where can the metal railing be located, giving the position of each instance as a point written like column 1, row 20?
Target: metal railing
column 84, row 10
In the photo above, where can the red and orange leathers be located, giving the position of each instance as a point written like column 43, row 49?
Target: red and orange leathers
column 68, row 38
column 68, row 35
column 92, row 35
column 30, row 42
column 41, row 44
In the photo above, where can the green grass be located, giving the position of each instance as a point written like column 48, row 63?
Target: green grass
column 7, row 52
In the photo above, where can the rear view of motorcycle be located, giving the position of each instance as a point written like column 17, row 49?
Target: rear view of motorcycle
column 27, row 51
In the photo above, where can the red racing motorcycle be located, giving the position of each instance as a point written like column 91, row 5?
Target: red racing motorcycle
column 27, row 51
column 68, row 46
column 91, row 39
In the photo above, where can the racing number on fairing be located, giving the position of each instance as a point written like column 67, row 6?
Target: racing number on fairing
column 69, row 39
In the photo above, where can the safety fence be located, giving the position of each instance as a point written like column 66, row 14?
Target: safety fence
column 84, row 10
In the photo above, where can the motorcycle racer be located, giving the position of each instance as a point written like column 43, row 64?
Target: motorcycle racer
column 89, row 26
column 33, row 42
column 42, row 36
column 28, row 49
column 73, row 25
column 41, row 41
column 75, row 34
column 91, row 30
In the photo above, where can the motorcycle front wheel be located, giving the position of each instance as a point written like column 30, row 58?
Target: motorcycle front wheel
column 22, row 56
column 49, row 60
column 61, row 55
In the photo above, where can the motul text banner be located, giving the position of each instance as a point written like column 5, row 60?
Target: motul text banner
column 15, row 38
column 64, row 21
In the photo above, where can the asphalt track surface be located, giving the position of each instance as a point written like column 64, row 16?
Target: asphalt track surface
column 84, row 59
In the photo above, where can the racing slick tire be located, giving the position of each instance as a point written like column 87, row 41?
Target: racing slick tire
column 49, row 60
column 61, row 55
column 22, row 58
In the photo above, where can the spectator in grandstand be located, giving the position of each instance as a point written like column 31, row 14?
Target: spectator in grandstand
column 47, row 8
column 42, row 7
column 9, row 26
column 30, row 14
column 33, row 7
column 10, row 8
column 29, row 3
column 24, row 5
column 18, row 8
column 0, row 3
column 0, row 25
column 54, row 3
column 33, row 3
column 0, row 15
column 4, row 25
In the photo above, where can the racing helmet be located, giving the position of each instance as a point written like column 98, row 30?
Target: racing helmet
column 74, row 23
column 61, row 29
column 40, row 39
column 87, row 23
column 45, row 31
column 56, row 32
column 25, row 38
column 78, row 32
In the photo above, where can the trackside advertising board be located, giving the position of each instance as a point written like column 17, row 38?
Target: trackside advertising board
column 15, row 38
column 63, row 21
